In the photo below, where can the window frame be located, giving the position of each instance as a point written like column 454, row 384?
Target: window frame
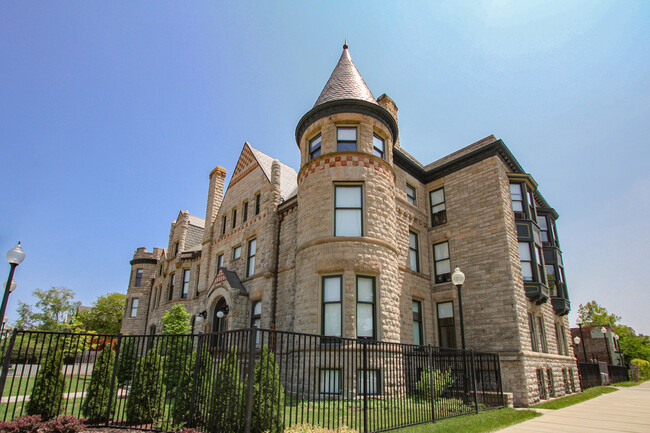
column 541, row 324
column 363, row 383
column 185, row 288
column 244, row 212
column 340, row 142
column 381, row 153
column 324, row 378
column 223, row 225
column 534, row 344
column 176, row 248
column 172, row 280
column 234, row 218
column 138, row 277
column 258, row 199
column 314, row 153
column 360, row 209
column 323, row 303
column 412, row 199
column 219, row 262
column 530, row 262
column 414, row 251
column 451, row 325
column 256, row 317
column 135, row 302
column 417, row 321
column 236, row 252
column 446, row 277
column 439, row 217
column 250, row 258
column 373, row 303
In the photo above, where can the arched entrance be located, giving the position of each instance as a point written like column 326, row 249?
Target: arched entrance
column 219, row 323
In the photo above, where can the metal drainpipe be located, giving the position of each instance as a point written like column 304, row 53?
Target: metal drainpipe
column 276, row 264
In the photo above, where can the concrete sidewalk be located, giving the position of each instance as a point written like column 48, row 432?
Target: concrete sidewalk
column 626, row 410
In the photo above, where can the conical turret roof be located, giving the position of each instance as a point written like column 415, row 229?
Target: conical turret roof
column 345, row 83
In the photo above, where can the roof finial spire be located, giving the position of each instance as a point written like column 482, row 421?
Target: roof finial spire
column 345, row 44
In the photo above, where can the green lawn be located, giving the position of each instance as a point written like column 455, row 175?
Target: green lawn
column 627, row 384
column 570, row 400
column 24, row 385
column 476, row 423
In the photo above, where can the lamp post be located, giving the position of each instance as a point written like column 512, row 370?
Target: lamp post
column 15, row 256
column 618, row 347
column 458, row 278
column 609, row 355
column 582, row 337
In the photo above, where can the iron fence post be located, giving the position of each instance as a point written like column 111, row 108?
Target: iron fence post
column 500, row 378
column 252, row 338
column 7, row 361
column 111, row 392
column 365, row 385
column 433, row 397
column 475, row 385
column 197, row 367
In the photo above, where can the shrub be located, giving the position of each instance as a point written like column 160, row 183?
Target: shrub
column 268, row 395
column 176, row 347
column 24, row 424
column 441, row 381
column 306, row 428
column 127, row 361
column 64, row 424
column 47, row 393
column 206, row 375
column 95, row 406
column 642, row 367
column 181, row 413
column 229, row 399
column 146, row 399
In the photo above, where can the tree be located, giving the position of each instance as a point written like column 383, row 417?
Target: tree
column 105, row 315
column 95, row 405
column 633, row 346
column 268, row 395
column 147, row 396
column 47, row 392
column 228, row 397
column 128, row 360
column 54, row 306
column 176, row 321
column 593, row 314
column 176, row 348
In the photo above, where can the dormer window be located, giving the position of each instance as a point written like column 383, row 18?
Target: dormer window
column 378, row 146
column 346, row 139
column 314, row 147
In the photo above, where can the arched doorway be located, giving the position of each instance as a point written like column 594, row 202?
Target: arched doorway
column 219, row 323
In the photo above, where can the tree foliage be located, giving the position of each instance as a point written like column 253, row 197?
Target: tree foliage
column 147, row 396
column 53, row 307
column 127, row 361
column 105, row 315
column 433, row 379
column 176, row 320
column 592, row 313
column 633, row 346
column 175, row 349
column 228, row 397
column 95, row 405
column 47, row 392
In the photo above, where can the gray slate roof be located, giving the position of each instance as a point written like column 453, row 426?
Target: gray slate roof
column 288, row 176
column 345, row 83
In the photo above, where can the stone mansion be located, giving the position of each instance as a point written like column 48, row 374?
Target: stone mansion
column 362, row 241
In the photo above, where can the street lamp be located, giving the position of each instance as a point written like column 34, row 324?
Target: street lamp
column 609, row 355
column 582, row 337
column 458, row 278
column 15, row 256
column 618, row 348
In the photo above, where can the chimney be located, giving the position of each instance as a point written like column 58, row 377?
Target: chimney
column 215, row 196
column 389, row 105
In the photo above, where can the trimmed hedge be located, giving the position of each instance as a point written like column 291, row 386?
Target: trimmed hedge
column 47, row 393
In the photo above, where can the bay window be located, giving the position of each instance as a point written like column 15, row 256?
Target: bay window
column 348, row 210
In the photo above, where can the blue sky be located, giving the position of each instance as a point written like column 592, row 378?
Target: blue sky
column 114, row 113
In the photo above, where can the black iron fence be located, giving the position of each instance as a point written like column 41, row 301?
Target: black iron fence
column 250, row 380
column 592, row 374
column 618, row 373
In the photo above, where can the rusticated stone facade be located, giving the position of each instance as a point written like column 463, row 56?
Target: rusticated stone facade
column 361, row 242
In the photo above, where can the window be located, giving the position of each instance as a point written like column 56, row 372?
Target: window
column 517, row 197
column 196, row 284
column 551, row 382
column 573, row 385
column 414, row 252
column 533, row 334
column 348, row 211
column 244, row 216
column 526, row 261
column 256, row 314
column 560, row 339
column 540, row 265
column 234, row 218
column 219, row 262
column 314, row 147
column 446, row 324
column 330, row 381
column 531, row 205
column 236, row 252
column 550, row 277
column 134, row 307
column 160, row 270
column 223, row 224
column 186, row 283
column 543, row 227
column 331, row 313
column 438, row 208
column 176, row 246
column 257, row 203
column 378, row 146
column 565, row 379
column 250, row 263
column 541, row 334
column 366, row 307
column 368, row 381
column 346, row 139
column 410, row 195
column 417, row 323
column 171, row 287
column 540, row 384
column 441, row 262
column 138, row 277
column 153, row 299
